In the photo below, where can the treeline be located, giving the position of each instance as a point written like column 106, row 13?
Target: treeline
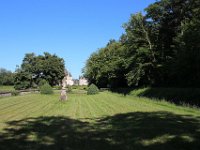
column 36, row 70
column 6, row 77
column 160, row 48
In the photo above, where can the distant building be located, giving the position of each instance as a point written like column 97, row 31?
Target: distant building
column 67, row 80
column 76, row 81
column 83, row 81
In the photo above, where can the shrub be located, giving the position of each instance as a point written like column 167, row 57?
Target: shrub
column 46, row 89
column 57, row 87
column 83, row 87
column 69, row 89
column 42, row 82
column 74, row 86
column 34, row 85
column 92, row 89
column 80, row 87
column 22, row 85
column 15, row 93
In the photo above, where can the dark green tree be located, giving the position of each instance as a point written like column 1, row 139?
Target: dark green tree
column 6, row 77
column 141, row 56
column 36, row 68
column 160, row 48
column 106, row 67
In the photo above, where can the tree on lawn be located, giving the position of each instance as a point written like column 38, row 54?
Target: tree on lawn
column 36, row 68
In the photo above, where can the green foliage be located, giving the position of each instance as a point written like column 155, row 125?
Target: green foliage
column 105, row 67
column 160, row 48
column 175, row 95
column 6, row 77
column 21, row 85
column 15, row 93
column 6, row 88
column 46, row 89
column 42, row 82
column 83, row 87
column 69, row 89
column 85, row 123
column 22, row 80
column 92, row 90
column 80, row 87
column 58, row 87
column 36, row 68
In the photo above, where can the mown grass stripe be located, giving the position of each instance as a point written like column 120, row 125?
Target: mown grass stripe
column 34, row 109
column 12, row 102
column 16, row 108
column 21, row 111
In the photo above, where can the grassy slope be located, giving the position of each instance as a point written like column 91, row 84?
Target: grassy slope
column 104, row 121
column 188, row 96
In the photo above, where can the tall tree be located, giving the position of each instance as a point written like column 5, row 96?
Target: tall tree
column 106, row 67
column 6, row 77
column 35, row 68
column 141, row 51
column 160, row 48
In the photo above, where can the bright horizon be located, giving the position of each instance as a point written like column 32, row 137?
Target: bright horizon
column 70, row 29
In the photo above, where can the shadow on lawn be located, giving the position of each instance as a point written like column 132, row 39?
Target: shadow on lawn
column 158, row 130
column 175, row 95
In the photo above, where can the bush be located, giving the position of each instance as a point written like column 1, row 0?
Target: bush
column 34, row 85
column 15, row 93
column 85, row 88
column 22, row 85
column 42, row 82
column 92, row 89
column 46, row 89
column 69, row 89
column 57, row 87
column 74, row 86
column 80, row 87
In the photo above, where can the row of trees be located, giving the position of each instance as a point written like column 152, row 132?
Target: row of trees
column 160, row 48
column 36, row 69
column 6, row 77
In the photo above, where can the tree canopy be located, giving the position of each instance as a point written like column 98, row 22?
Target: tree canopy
column 36, row 68
column 6, row 77
column 160, row 48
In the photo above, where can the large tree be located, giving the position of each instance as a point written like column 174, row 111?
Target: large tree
column 106, row 67
column 141, row 50
column 160, row 48
column 177, row 23
column 35, row 68
column 6, row 77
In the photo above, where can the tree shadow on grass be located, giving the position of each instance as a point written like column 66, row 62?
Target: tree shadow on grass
column 124, row 91
column 175, row 95
column 178, row 96
column 138, row 130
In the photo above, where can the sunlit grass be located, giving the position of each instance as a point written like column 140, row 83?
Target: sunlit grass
column 6, row 88
column 103, row 121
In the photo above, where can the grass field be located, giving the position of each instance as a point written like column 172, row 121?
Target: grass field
column 6, row 88
column 101, row 122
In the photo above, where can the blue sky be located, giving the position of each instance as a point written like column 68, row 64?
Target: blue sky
column 72, row 29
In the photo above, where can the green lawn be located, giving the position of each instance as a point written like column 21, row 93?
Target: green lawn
column 6, row 88
column 101, row 122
